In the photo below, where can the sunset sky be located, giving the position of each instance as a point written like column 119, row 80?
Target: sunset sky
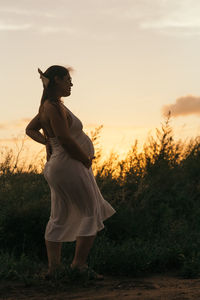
column 133, row 60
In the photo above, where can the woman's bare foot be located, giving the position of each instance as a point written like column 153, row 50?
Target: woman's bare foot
column 84, row 269
column 53, row 273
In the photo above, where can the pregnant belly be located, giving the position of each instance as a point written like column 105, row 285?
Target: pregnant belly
column 86, row 144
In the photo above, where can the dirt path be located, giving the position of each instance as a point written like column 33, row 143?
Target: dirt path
column 162, row 287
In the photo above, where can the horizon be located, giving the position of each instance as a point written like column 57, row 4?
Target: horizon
column 36, row 157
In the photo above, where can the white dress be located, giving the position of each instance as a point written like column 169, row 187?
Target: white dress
column 77, row 206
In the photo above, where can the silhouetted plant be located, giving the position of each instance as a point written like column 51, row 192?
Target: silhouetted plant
column 156, row 194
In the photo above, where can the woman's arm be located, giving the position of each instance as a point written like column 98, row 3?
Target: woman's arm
column 33, row 130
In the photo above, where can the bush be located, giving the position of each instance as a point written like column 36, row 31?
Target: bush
column 155, row 193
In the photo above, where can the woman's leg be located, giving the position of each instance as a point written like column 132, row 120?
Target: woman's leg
column 54, row 254
column 83, row 246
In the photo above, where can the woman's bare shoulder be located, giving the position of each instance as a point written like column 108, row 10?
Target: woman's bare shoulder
column 52, row 109
column 49, row 107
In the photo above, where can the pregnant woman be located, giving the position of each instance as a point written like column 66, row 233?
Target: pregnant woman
column 77, row 206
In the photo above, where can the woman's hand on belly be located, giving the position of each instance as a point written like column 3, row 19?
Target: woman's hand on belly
column 88, row 163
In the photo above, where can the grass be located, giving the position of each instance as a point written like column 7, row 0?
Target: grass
column 156, row 194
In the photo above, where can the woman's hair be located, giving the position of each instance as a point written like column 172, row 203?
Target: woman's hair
column 49, row 90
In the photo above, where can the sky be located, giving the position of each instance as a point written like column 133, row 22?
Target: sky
column 133, row 61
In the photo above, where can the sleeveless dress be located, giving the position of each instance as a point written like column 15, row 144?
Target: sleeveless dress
column 77, row 206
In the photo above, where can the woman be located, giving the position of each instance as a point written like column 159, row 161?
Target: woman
column 77, row 206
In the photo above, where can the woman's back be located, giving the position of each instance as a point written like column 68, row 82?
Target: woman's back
column 45, row 120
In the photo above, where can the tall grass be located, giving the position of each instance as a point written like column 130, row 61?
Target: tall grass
column 156, row 194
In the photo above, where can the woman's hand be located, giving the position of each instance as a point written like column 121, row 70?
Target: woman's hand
column 88, row 163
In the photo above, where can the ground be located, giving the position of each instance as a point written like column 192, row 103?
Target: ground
column 167, row 286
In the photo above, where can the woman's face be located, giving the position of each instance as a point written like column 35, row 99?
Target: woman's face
column 64, row 85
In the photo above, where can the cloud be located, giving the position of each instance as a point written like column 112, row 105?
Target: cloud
column 158, row 15
column 21, row 123
column 173, row 17
column 170, row 23
column 14, row 27
column 184, row 106
column 26, row 12
column 55, row 29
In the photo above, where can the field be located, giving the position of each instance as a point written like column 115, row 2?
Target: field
column 148, row 249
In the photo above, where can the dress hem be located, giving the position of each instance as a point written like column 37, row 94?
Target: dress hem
column 73, row 240
column 90, row 234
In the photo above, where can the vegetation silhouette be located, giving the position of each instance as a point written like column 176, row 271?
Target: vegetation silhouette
column 156, row 193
